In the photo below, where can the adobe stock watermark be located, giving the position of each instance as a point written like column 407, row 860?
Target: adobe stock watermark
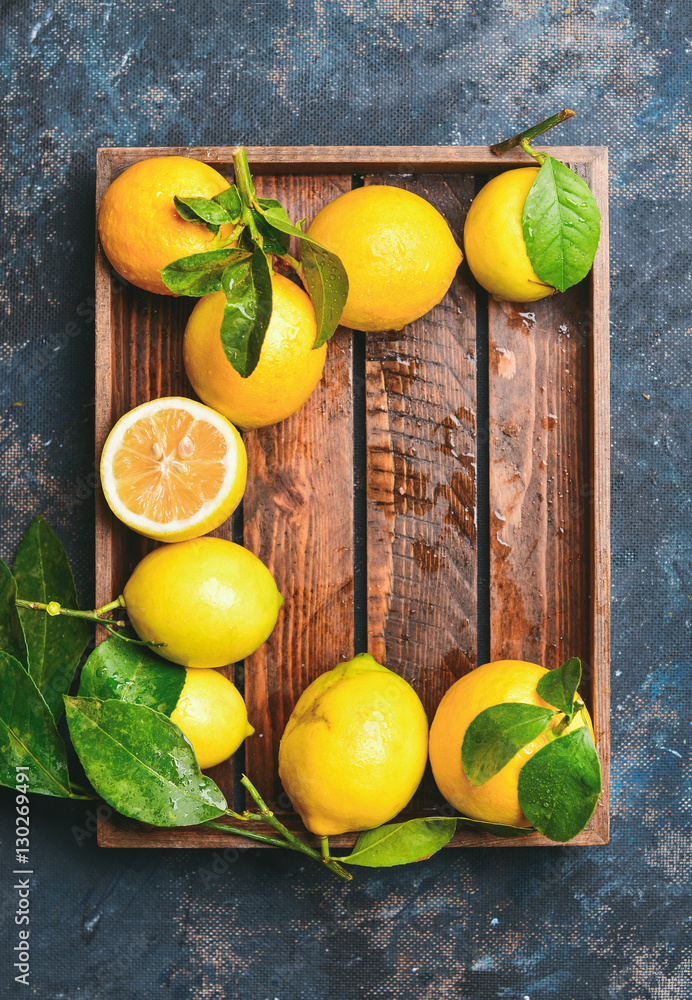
column 22, row 877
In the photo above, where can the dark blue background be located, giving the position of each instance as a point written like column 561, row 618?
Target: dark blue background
column 570, row 924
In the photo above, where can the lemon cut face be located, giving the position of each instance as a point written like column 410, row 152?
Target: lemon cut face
column 173, row 469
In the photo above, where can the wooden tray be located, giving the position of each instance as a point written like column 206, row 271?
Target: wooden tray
column 442, row 499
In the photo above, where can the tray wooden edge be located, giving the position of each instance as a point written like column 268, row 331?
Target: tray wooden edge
column 112, row 834
column 283, row 159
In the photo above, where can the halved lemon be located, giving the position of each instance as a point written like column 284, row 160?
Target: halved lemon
column 173, row 469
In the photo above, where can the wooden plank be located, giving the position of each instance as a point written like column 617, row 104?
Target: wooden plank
column 298, row 518
column 540, row 516
column 421, row 447
column 353, row 159
column 600, row 493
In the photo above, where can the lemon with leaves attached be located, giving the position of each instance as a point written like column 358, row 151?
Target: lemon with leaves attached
column 494, row 239
column 212, row 714
column 354, row 749
column 398, row 251
column 494, row 684
column 140, row 228
column 208, row 601
column 204, row 704
column 288, row 369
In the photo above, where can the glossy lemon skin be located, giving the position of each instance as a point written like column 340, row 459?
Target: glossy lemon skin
column 354, row 749
column 494, row 239
column 398, row 252
column 210, row 601
column 139, row 226
column 497, row 800
column 212, row 714
column 287, row 371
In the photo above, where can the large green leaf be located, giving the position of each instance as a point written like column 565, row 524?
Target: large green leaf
column 141, row 764
column 497, row 734
column 11, row 633
column 402, row 843
column 122, row 670
column 327, row 285
column 201, row 273
column 28, row 735
column 560, row 785
column 561, row 225
column 202, row 211
column 559, row 687
column 247, row 311
column 55, row 644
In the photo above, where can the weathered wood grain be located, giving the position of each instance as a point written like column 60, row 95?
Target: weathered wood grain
column 298, row 518
column 316, row 160
column 421, row 484
column 539, row 479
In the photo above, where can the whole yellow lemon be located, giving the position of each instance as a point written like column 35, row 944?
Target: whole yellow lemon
column 210, row 601
column 212, row 714
column 354, row 749
column 288, row 369
column 398, row 252
column 140, row 228
column 494, row 239
column 497, row 800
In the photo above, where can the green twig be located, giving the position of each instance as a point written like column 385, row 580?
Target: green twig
column 538, row 157
column 530, row 133
column 263, row 838
column 292, row 842
column 53, row 608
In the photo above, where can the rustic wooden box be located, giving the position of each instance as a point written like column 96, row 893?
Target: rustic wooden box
column 441, row 500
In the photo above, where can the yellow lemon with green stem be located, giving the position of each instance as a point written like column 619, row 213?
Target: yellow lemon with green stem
column 354, row 749
column 288, row 369
column 494, row 239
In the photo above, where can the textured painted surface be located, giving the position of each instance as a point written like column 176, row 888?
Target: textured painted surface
column 563, row 924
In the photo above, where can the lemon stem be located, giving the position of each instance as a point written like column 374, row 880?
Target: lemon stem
column 538, row 157
column 263, row 838
column 246, row 188
column 324, row 847
column 530, row 133
column 53, row 608
column 292, row 842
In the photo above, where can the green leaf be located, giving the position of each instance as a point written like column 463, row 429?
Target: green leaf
column 11, row 633
column 247, row 312
column 497, row 734
column 203, row 210
column 561, row 225
column 498, row 829
column 201, row 273
column 28, row 734
column 559, row 687
column 141, row 764
column 277, row 217
column 55, row 644
column 560, row 785
column 273, row 240
column 230, row 200
column 326, row 282
column 121, row 670
column 324, row 275
column 402, row 843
